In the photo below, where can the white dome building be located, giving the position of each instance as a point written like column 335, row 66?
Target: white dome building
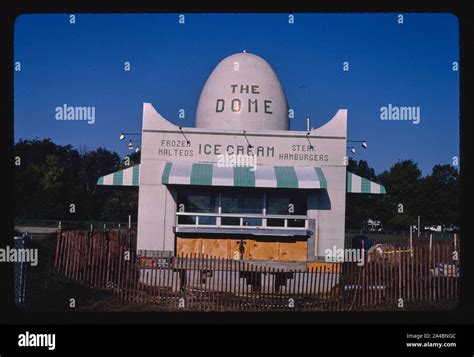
column 243, row 92
column 191, row 201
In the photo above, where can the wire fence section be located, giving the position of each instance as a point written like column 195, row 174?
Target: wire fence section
column 395, row 279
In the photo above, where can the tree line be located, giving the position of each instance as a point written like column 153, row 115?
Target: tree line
column 434, row 197
column 49, row 178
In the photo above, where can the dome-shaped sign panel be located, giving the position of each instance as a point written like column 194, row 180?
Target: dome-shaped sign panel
column 243, row 93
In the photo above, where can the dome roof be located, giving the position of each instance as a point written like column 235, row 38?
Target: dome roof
column 243, row 92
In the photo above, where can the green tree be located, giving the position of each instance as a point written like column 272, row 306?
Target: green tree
column 440, row 196
column 401, row 203
column 52, row 177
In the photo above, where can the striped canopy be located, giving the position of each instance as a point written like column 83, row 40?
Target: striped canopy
column 357, row 184
column 264, row 176
column 126, row 177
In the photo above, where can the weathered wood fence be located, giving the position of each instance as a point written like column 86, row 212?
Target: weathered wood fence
column 425, row 274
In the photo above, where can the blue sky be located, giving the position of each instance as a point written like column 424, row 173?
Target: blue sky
column 81, row 64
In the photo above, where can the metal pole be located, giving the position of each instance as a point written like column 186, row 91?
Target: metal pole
column 418, row 226
column 431, row 242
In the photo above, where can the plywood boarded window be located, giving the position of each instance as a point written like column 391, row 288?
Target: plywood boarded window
column 262, row 248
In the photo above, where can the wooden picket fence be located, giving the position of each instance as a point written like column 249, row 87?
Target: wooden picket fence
column 425, row 275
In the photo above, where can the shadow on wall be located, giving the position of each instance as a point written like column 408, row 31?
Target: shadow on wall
column 323, row 202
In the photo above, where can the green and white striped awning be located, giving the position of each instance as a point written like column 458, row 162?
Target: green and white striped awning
column 264, row 176
column 357, row 184
column 126, row 177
